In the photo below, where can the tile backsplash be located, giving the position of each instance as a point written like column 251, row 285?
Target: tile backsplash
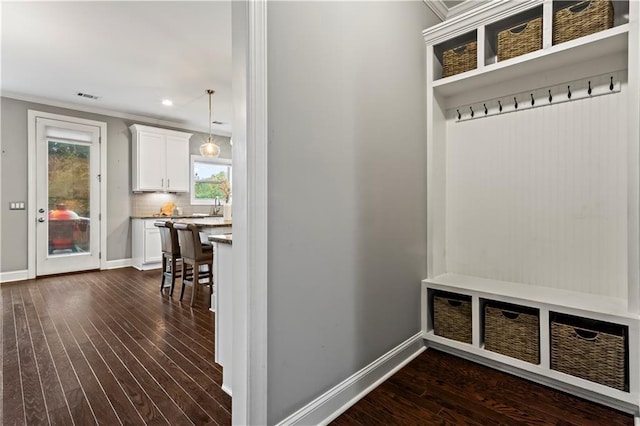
column 147, row 204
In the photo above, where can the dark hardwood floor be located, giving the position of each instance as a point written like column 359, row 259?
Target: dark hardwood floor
column 439, row 389
column 107, row 348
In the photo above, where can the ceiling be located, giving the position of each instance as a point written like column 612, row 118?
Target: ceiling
column 132, row 55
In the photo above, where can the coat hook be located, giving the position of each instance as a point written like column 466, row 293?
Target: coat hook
column 459, row 115
column 589, row 90
column 611, row 84
column 486, row 111
column 471, row 111
column 550, row 97
column 569, row 92
column 533, row 101
column 515, row 103
column 499, row 106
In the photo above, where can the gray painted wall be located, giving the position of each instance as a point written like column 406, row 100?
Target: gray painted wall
column 347, row 190
column 14, row 179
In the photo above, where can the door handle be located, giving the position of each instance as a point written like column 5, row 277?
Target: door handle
column 168, row 183
column 41, row 219
column 162, row 182
column 41, row 211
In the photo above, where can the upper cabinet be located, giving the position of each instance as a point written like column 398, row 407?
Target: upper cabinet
column 160, row 159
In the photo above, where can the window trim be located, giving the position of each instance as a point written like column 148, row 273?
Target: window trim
column 192, row 183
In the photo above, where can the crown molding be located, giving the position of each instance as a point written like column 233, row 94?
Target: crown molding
column 438, row 7
column 107, row 112
column 464, row 7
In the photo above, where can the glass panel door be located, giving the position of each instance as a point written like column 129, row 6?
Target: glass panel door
column 67, row 192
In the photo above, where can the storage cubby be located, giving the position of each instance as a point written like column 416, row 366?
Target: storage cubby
column 520, row 34
column 456, row 55
column 512, row 330
column 537, row 205
column 597, row 351
column 575, row 19
column 452, row 316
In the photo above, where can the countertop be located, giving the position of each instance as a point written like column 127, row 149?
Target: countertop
column 206, row 222
column 223, row 239
column 184, row 216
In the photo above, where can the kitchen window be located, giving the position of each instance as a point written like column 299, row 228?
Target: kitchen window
column 210, row 180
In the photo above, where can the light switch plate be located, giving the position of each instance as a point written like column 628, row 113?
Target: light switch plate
column 16, row 205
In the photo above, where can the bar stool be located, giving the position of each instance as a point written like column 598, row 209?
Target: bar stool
column 194, row 255
column 171, row 258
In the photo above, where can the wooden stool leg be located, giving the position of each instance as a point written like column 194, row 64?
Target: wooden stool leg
column 184, row 275
column 173, row 274
column 164, row 269
column 196, row 271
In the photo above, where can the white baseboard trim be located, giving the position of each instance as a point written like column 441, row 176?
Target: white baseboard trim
column 6, row 277
column 120, row 263
column 337, row 400
column 226, row 389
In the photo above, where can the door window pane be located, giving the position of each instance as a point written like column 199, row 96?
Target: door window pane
column 68, row 189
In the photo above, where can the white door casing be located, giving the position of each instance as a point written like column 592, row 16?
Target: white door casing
column 75, row 130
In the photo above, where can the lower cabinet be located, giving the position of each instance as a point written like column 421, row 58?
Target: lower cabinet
column 146, row 245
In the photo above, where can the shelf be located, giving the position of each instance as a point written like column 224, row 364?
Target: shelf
column 555, row 299
column 613, row 40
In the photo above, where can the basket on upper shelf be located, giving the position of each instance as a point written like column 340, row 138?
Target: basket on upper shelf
column 581, row 19
column 520, row 39
column 460, row 59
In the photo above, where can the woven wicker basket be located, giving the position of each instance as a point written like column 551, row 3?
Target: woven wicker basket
column 521, row 39
column 512, row 333
column 582, row 19
column 460, row 59
column 596, row 356
column 452, row 318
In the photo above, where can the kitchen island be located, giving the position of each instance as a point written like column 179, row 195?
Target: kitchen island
column 221, row 302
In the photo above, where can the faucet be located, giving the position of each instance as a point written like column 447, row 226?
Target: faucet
column 215, row 209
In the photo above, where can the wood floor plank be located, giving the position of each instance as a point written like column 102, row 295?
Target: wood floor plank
column 180, row 327
column 93, row 390
column 34, row 405
column 51, row 387
column 78, row 405
column 463, row 392
column 158, row 395
column 12, row 399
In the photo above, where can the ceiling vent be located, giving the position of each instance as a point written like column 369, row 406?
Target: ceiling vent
column 88, row 96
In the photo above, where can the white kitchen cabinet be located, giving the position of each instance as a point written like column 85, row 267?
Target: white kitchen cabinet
column 146, row 247
column 160, row 159
column 532, row 184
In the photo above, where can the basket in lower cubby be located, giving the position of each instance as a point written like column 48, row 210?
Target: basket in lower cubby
column 589, row 349
column 452, row 316
column 513, row 331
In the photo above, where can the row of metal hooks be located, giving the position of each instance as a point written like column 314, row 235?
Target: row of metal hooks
column 595, row 86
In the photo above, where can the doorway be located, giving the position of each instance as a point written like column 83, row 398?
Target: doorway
column 65, row 202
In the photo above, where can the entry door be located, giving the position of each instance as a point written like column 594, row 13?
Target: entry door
column 68, row 196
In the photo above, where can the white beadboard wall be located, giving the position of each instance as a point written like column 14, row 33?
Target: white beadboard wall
column 539, row 196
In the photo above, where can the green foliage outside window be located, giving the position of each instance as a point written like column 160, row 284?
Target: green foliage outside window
column 212, row 187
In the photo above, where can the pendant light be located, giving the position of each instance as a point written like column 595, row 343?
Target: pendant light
column 209, row 148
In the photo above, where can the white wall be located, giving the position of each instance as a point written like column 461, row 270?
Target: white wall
column 347, row 190
column 540, row 196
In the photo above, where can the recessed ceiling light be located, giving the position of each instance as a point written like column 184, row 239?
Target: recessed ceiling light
column 167, row 102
